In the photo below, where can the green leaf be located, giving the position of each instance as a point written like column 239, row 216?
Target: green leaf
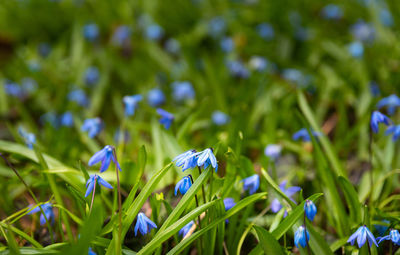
column 269, row 244
column 277, row 189
column 352, row 199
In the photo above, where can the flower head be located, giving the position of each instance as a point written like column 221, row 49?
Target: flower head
column 356, row 49
column 393, row 236
column 183, row 232
column 229, row 203
column 362, row 234
column 206, row 158
column 183, row 185
column 303, row 134
column 216, row 26
column 44, row 49
column 391, row 102
column 296, row 76
column 258, row 63
column 154, row 32
column 377, row 118
column 227, row 44
column 92, row 182
column 155, row 97
column 166, row 118
column 92, row 75
column 251, row 183
column 301, row 237
column 310, row 209
column 186, row 160
column 266, row 31
column 143, row 224
column 67, row 119
column 386, row 17
column 121, row 35
column 172, row 46
column 219, row 118
column 273, row 151
column 395, row 130
column 332, row 12
column 48, row 212
column 105, row 155
column 29, row 138
column 91, row 32
column 182, row 91
column 131, row 103
column 276, row 206
column 238, row 69
column 91, row 252
column 78, row 96
column 363, row 31
column 92, row 126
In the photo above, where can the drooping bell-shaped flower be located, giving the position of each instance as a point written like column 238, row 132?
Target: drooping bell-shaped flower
column 143, row 224
column 104, row 156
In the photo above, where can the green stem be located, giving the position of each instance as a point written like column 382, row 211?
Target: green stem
column 94, row 191
column 202, row 188
column 118, row 247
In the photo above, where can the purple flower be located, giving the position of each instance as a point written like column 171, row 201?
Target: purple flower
column 363, row 31
column 393, row 236
column 143, row 224
column 48, row 212
column 276, row 206
column 273, row 151
column 105, row 155
column 92, row 182
column 206, row 158
column 121, row 35
column 251, row 183
column 362, row 235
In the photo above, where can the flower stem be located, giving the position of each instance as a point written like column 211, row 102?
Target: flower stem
column 119, row 204
column 94, row 191
column 202, row 188
column 371, row 179
column 197, row 201
column 305, row 235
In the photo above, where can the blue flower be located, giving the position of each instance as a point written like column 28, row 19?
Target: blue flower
column 363, row 31
column 131, row 103
column 296, row 76
column 49, row 117
column 393, row 236
column 91, row 252
column 143, row 224
column 310, row 209
column 266, row 31
column 13, row 89
column 276, row 206
column 206, row 158
column 183, row 185
column 67, row 119
column 182, row 91
column 301, row 237
column 356, row 49
column 386, row 17
column 382, row 228
column 362, row 234
column 216, row 26
column 227, row 44
column 155, row 97
column 105, row 155
column 229, row 203
column 93, row 126
column 121, row 35
column 258, row 63
column 44, row 49
column 78, row 96
column 166, row 118
column 48, row 212
column 251, row 183
column 273, row 151
column 186, row 160
column 374, row 88
column 237, row 69
column 92, row 75
column 303, row 134
column 28, row 85
column 154, row 32
column 29, row 138
column 219, row 118
column 172, row 46
column 395, row 130
column 377, row 118
column 332, row 11
column 183, row 232
column 391, row 102
column 91, row 32
column 92, row 182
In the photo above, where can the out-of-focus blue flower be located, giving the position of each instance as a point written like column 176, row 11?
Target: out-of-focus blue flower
column 182, row 90
column 92, row 182
column 126, row 137
column 310, row 209
column 105, row 155
column 374, row 88
column 91, row 32
column 183, row 185
column 92, row 126
column 28, row 85
column 44, row 49
column 273, row 151
column 376, row 118
column 362, row 235
column 266, row 31
column 393, row 236
column 92, row 75
column 237, row 69
column 386, row 17
column 332, row 11
column 303, row 33
column 301, row 237
column 48, row 212
column 227, row 44
column 121, row 35
column 131, row 103
column 296, row 76
column 251, row 183
column 363, row 31
column 78, row 96
column 395, row 130
column 172, row 46
column 154, row 32
column 13, row 89
column 34, row 65
column 51, row 118
column 29, row 138
column 258, row 63
column 382, row 228
column 219, row 118
column 67, row 119
column 155, row 97
column 91, row 252
column 229, row 203
column 143, row 224
column 206, row 158
column 183, row 232
column 303, row 134
column 186, row 160
column 166, row 118
column 356, row 49
column 276, row 206
column 391, row 102
column 216, row 26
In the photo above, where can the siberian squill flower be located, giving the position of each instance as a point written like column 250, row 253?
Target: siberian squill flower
column 229, row 203
column 276, row 206
column 303, row 134
column 131, row 103
column 301, row 237
column 393, row 236
column 251, row 183
column 273, row 151
column 105, row 155
column 172, row 46
column 92, row 182
column 206, row 158
column 154, row 32
column 183, row 185
column 48, row 212
column 258, row 63
column 386, row 17
column 44, row 49
column 92, row 75
column 166, row 118
column 332, row 12
column 67, row 119
column 219, row 118
column 362, row 235
column 356, row 49
column 238, row 69
column 227, row 44
column 310, row 209
column 186, row 160
column 395, row 130
column 91, row 32
column 91, row 252
column 121, row 35
column 155, row 97
column 391, row 102
column 363, row 31
column 92, row 126
column 182, row 90
column 216, row 26
column 183, row 232
column 29, row 138
column 377, row 118
column 78, row 96
column 143, row 224
column 266, row 31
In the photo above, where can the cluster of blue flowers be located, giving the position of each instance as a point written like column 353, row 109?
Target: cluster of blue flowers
column 391, row 103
